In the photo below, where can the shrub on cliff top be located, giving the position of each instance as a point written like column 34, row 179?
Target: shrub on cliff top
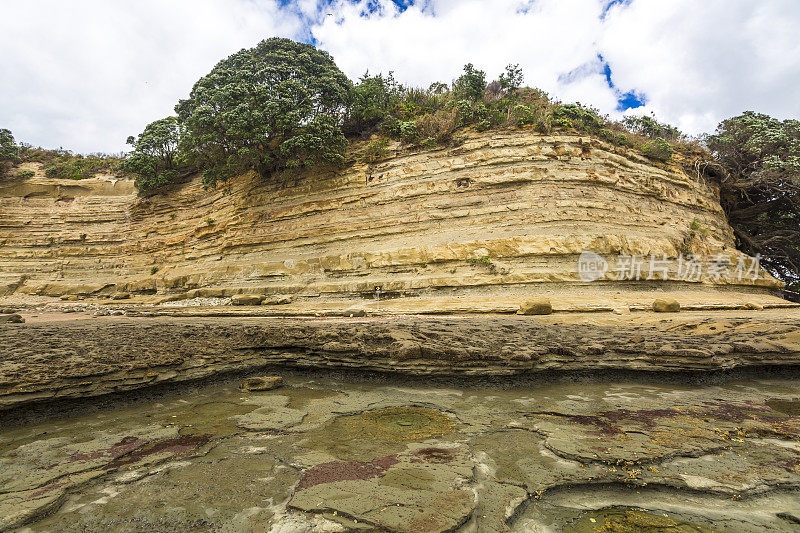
column 376, row 150
column 69, row 166
column 275, row 105
column 381, row 105
column 575, row 115
column 63, row 164
column 658, row 149
column 649, row 126
column 374, row 98
column 471, row 84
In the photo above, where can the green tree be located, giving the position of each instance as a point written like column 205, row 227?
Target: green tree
column 761, row 192
column 471, row 84
column 374, row 99
column 511, row 80
column 9, row 151
column 155, row 157
column 437, row 88
column 8, row 148
column 277, row 104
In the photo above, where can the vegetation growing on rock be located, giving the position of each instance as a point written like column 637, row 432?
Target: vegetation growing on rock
column 658, row 149
column 57, row 164
column 428, row 117
column 284, row 104
column 66, row 165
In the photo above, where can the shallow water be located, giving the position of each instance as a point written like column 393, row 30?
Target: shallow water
column 324, row 455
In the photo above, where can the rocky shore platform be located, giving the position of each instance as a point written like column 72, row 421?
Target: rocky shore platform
column 679, row 422
column 56, row 356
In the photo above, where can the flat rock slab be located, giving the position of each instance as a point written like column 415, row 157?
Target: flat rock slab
column 84, row 358
column 327, row 456
column 420, row 490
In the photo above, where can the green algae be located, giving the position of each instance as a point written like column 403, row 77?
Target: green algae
column 787, row 407
column 412, row 478
column 401, row 423
column 613, row 520
column 366, row 435
column 366, row 452
column 232, row 484
column 299, row 397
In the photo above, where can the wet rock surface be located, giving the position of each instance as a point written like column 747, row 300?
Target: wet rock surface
column 261, row 383
column 11, row 319
column 48, row 361
column 323, row 455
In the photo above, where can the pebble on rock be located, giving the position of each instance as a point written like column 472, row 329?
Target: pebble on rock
column 277, row 300
column 11, row 319
column 541, row 306
column 247, row 299
column 666, row 306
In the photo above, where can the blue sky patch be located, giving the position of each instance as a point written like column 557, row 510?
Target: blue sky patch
column 625, row 100
column 630, row 100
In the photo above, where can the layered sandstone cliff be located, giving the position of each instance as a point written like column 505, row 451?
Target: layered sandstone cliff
column 502, row 217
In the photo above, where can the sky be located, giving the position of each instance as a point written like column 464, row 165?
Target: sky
column 83, row 75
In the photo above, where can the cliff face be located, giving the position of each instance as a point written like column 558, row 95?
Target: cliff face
column 505, row 213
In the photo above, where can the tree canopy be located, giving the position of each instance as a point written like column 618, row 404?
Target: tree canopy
column 471, row 84
column 8, row 150
column 511, row 80
column 374, row 98
column 155, row 157
column 279, row 104
column 761, row 194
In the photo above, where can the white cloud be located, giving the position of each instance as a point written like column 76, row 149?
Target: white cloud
column 85, row 74
column 700, row 62
column 547, row 38
column 696, row 62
